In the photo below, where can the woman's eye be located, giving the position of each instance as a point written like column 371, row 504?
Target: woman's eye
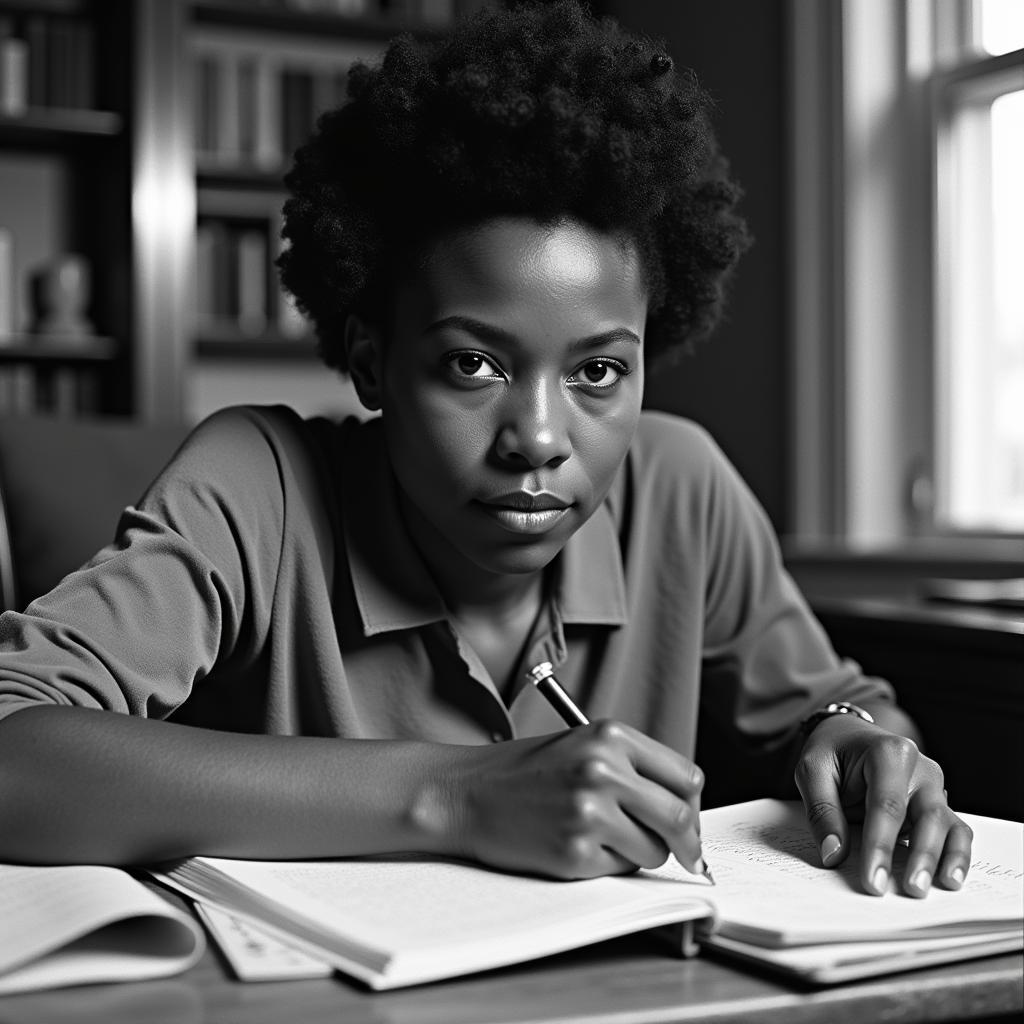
column 599, row 373
column 472, row 364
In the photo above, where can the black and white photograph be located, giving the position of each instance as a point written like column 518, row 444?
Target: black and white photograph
column 511, row 511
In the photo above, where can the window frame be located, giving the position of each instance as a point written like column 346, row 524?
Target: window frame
column 869, row 82
column 975, row 79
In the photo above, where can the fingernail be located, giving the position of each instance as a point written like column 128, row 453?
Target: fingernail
column 957, row 875
column 829, row 848
column 922, row 880
column 880, row 879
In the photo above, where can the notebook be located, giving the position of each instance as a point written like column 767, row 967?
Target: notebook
column 83, row 923
column 404, row 920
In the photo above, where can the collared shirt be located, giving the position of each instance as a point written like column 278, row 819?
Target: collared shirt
column 266, row 583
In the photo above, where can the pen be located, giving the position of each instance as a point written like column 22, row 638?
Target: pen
column 543, row 677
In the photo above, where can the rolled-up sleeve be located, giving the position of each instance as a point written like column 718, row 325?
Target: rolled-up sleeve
column 185, row 585
column 767, row 660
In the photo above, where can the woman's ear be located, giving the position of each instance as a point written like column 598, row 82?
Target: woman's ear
column 363, row 347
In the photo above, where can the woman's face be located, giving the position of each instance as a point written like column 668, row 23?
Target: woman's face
column 510, row 386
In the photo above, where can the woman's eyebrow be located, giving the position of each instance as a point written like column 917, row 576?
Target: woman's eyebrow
column 498, row 335
column 481, row 330
column 605, row 338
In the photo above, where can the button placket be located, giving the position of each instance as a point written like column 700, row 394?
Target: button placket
column 478, row 675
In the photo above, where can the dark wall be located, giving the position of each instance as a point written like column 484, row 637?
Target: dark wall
column 735, row 385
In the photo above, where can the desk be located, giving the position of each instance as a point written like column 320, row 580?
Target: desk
column 626, row 981
column 957, row 672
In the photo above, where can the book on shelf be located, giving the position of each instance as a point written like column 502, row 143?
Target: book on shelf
column 46, row 60
column 247, row 74
column 14, row 71
column 254, row 103
column 253, row 268
column 37, row 36
column 206, row 71
column 298, row 108
column 83, row 923
column 403, row 920
column 227, row 130
column 6, row 286
column 267, row 153
column 233, row 276
column 207, row 271
column 18, row 392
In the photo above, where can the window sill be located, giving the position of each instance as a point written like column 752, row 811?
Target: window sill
column 838, row 570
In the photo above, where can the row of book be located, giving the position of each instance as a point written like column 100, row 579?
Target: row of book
column 254, row 101
column 252, row 110
column 26, row 390
column 237, row 291
column 427, row 12
column 46, row 60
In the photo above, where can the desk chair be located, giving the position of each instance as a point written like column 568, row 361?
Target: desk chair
column 63, row 484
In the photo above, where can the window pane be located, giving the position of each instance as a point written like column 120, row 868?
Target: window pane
column 1001, row 25
column 980, row 468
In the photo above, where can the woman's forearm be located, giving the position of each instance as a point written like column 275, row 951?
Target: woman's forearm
column 92, row 786
column 78, row 785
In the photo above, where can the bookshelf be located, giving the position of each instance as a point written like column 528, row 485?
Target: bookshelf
column 64, row 189
column 151, row 137
column 260, row 73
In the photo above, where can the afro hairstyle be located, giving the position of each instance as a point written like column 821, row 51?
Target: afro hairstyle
column 538, row 110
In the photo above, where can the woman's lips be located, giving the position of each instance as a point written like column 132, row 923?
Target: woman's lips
column 523, row 512
column 526, row 522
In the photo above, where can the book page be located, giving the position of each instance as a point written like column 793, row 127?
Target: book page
column 406, row 903
column 772, row 889
column 66, row 925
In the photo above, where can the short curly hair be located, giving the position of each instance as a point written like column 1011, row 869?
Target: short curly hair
column 537, row 110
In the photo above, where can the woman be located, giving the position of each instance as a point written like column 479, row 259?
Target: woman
column 317, row 636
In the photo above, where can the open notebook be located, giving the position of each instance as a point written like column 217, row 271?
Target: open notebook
column 83, row 923
column 774, row 905
column 393, row 921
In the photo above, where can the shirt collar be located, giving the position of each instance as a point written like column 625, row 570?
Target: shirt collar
column 591, row 587
column 394, row 589
column 392, row 586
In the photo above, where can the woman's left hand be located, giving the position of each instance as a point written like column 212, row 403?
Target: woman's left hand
column 851, row 770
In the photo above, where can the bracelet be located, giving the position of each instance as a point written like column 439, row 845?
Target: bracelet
column 842, row 707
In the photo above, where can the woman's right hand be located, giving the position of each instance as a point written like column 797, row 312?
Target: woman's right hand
column 599, row 799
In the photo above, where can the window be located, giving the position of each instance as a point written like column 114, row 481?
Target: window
column 907, row 185
column 979, row 212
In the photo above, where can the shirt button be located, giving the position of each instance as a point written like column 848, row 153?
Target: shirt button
column 497, row 737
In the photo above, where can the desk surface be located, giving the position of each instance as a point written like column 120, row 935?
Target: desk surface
column 627, row 981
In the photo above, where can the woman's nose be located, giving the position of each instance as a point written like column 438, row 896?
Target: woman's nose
column 534, row 430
